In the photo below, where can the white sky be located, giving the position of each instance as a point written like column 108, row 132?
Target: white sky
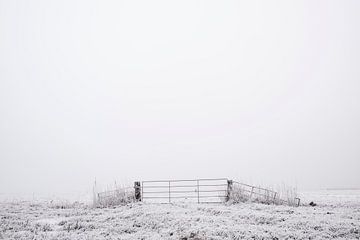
column 260, row 91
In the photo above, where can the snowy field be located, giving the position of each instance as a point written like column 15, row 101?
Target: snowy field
column 336, row 216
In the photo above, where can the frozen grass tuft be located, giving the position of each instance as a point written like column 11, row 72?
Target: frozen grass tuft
column 118, row 195
column 287, row 195
column 64, row 204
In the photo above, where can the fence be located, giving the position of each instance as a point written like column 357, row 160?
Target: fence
column 212, row 190
column 197, row 190
column 245, row 192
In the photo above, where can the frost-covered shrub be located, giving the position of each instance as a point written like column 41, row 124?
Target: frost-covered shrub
column 237, row 195
column 116, row 197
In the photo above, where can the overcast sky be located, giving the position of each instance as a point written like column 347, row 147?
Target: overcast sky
column 260, row 91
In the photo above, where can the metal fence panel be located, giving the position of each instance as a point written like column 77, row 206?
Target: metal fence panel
column 186, row 190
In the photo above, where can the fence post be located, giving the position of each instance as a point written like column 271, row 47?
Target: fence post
column 275, row 196
column 169, row 193
column 229, row 189
column 137, row 187
column 198, row 191
column 252, row 191
column 142, row 191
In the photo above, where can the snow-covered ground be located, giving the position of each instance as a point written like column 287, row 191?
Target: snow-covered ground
column 336, row 216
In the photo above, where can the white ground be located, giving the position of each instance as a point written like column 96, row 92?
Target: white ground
column 337, row 216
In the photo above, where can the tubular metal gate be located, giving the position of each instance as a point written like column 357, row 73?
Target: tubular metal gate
column 242, row 191
column 199, row 190
column 248, row 192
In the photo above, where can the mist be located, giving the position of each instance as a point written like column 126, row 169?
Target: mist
column 263, row 92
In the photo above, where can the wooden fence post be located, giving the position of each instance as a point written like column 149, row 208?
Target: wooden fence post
column 137, row 187
column 229, row 189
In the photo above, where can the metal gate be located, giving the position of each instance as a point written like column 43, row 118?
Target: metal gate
column 214, row 190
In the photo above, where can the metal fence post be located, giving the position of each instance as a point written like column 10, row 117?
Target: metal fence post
column 198, row 191
column 275, row 196
column 252, row 191
column 169, row 193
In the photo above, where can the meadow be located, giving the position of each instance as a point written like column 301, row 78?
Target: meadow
column 335, row 216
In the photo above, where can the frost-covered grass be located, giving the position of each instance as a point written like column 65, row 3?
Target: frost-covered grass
column 49, row 220
column 118, row 197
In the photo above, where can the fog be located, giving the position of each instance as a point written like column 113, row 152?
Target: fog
column 260, row 91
